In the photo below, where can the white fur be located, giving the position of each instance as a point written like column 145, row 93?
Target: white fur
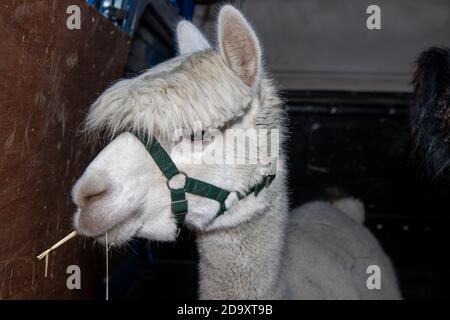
column 177, row 182
column 328, row 254
column 243, row 252
column 354, row 208
column 231, row 200
column 189, row 92
column 190, row 39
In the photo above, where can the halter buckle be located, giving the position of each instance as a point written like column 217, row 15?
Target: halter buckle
column 176, row 205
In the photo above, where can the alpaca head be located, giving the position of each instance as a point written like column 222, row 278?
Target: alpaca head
column 193, row 105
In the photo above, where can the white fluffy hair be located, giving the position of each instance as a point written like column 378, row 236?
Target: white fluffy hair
column 183, row 93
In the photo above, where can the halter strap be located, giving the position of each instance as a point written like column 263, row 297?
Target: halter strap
column 179, row 203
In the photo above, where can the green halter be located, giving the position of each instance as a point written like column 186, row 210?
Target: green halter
column 178, row 196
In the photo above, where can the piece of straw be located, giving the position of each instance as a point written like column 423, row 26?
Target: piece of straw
column 115, row 238
column 58, row 244
column 46, row 265
column 108, row 247
column 107, row 266
column 72, row 235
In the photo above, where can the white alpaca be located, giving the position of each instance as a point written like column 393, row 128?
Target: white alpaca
column 246, row 252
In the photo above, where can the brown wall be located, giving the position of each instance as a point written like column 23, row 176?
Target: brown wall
column 49, row 75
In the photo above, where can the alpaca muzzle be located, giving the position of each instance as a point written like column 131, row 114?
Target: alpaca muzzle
column 179, row 183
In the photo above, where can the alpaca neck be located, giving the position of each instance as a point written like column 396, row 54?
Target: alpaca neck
column 244, row 262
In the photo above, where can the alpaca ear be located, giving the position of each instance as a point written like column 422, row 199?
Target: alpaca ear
column 239, row 45
column 190, row 39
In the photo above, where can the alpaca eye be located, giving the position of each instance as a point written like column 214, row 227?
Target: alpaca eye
column 198, row 136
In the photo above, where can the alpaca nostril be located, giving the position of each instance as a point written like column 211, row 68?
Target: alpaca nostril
column 91, row 188
column 90, row 197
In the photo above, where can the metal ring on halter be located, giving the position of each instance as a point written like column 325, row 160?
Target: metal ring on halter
column 185, row 180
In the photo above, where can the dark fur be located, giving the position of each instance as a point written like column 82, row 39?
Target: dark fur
column 430, row 109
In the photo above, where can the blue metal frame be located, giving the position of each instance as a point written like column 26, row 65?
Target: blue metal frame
column 135, row 8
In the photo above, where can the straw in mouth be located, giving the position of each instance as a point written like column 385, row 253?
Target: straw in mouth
column 71, row 236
